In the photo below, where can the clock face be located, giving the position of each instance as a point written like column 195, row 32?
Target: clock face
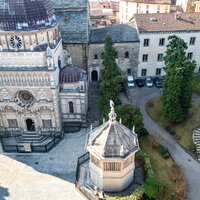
column 15, row 42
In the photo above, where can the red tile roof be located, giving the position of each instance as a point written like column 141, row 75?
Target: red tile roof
column 150, row 1
column 167, row 22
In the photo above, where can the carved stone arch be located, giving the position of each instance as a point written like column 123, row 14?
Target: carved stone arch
column 29, row 77
column 45, row 109
column 40, row 77
column 23, row 77
column 42, row 96
column 4, row 95
column 46, row 77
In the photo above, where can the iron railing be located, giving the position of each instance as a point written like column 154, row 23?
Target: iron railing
column 20, row 148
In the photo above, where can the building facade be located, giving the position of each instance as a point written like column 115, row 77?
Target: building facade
column 126, row 42
column 154, row 30
column 31, row 57
column 127, row 8
column 73, row 17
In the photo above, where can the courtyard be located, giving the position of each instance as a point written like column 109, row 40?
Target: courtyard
column 47, row 176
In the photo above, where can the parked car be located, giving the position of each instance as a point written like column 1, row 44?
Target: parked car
column 158, row 82
column 140, row 82
column 130, row 81
column 149, row 82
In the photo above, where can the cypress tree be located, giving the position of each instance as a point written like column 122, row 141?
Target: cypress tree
column 177, row 91
column 110, row 77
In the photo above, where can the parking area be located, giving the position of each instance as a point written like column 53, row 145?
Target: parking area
column 138, row 93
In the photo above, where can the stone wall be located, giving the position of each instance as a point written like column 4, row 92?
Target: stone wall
column 78, row 53
column 95, row 51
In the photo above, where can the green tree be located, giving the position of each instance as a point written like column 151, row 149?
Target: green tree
column 177, row 91
column 110, row 77
column 131, row 116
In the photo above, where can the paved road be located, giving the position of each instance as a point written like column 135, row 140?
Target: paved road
column 140, row 97
column 43, row 176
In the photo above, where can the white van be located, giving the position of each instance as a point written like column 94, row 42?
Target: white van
column 130, row 81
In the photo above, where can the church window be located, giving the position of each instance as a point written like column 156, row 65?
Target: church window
column 12, row 123
column 71, row 107
column 95, row 56
column 47, row 123
column 59, row 62
column 15, row 42
column 126, row 54
column 112, row 166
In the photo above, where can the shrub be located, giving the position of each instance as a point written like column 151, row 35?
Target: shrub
column 164, row 152
column 142, row 131
column 170, row 130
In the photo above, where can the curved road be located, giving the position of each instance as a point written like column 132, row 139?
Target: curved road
column 140, row 97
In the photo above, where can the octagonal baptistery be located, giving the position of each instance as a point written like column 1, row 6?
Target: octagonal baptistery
column 112, row 148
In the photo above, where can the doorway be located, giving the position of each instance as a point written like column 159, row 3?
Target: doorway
column 94, row 75
column 30, row 125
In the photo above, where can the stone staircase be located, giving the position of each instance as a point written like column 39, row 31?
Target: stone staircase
column 196, row 140
column 93, row 114
column 31, row 138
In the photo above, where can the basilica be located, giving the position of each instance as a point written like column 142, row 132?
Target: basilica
column 41, row 89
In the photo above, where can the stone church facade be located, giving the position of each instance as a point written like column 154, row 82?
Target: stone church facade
column 31, row 62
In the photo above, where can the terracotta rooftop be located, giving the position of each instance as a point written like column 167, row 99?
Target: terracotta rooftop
column 150, row 1
column 167, row 22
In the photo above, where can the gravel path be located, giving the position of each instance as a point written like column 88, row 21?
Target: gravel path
column 140, row 97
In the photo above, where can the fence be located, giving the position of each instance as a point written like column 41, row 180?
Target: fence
column 20, row 148
column 81, row 160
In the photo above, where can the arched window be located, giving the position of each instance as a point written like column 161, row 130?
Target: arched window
column 126, row 54
column 71, row 107
column 59, row 62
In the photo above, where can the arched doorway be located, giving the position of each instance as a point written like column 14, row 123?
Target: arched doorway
column 30, row 125
column 94, row 75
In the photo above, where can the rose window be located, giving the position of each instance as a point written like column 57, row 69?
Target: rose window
column 24, row 98
column 15, row 42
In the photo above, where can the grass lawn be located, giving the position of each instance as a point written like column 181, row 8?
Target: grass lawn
column 161, row 166
column 183, row 130
column 196, row 84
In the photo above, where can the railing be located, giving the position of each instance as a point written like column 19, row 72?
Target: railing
column 20, row 148
column 81, row 160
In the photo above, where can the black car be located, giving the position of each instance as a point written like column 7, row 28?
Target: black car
column 158, row 82
column 140, row 82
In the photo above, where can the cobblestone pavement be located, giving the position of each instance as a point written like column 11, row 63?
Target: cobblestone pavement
column 43, row 176
column 140, row 97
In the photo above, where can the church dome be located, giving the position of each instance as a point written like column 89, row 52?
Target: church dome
column 70, row 74
column 25, row 15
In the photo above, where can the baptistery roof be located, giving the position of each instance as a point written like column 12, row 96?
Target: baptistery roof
column 25, row 14
column 112, row 139
column 70, row 74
